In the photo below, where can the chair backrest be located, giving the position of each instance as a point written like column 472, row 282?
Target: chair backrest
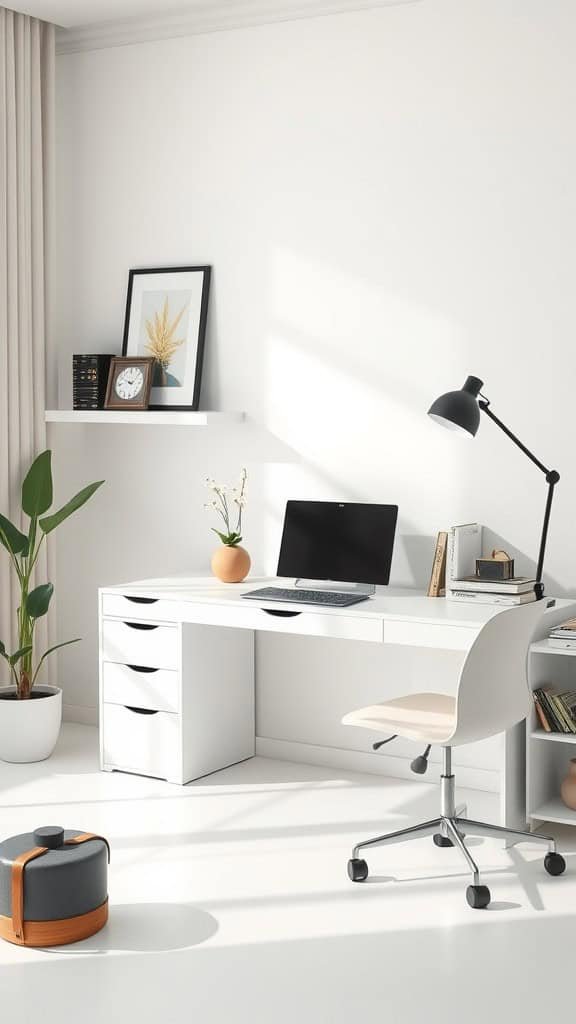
column 493, row 692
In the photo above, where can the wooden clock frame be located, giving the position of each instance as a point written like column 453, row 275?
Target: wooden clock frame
column 119, row 363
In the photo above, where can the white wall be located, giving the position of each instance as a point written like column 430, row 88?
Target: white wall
column 388, row 201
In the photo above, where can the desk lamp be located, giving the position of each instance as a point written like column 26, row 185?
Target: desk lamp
column 460, row 411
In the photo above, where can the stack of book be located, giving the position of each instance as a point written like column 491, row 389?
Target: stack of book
column 564, row 635
column 556, row 711
column 518, row 590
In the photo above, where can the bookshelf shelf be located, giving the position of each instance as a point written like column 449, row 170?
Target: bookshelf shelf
column 556, row 811
column 543, row 647
column 553, row 737
column 169, row 418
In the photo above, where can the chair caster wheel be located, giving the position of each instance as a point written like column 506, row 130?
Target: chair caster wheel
column 554, row 863
column 478, row 896
column 440, row 840
column 357, row 870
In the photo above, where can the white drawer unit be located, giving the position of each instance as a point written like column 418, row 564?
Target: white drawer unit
column 155, row 688
column 143, row 741
column 140, row 643
column 176, row 699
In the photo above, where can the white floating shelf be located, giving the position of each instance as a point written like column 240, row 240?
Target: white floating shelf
column 553, row 737
column 543, row 647
column 554, row 810
column 166, row 418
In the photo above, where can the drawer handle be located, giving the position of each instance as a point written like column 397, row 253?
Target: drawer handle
column 140, row 625
column 141, row 600
column 282, row 613
column 141, row 668
column 140, row 711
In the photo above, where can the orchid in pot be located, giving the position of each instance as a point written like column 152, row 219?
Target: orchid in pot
column 29, row 727
column 230, row 562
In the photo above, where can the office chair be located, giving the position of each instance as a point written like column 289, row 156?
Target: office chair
column 492, row 696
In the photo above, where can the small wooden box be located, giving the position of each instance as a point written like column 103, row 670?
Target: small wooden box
column 495, row 568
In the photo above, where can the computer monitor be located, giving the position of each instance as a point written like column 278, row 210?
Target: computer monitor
column 342, row 541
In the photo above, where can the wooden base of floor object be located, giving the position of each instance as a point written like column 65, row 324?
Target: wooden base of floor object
column 56, row 933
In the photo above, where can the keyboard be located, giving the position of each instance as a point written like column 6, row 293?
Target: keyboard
column 328, row 598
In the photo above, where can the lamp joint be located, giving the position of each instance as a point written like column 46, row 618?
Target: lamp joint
column 552, row 476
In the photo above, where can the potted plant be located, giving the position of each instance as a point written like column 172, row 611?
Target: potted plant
column 230, row 562
column 31, row 714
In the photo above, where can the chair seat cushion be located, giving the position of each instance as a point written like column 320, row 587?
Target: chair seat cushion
column 430, row 717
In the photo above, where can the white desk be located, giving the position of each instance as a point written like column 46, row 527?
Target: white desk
column 177, row 667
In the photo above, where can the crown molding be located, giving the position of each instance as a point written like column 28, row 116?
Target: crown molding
column 206, row 16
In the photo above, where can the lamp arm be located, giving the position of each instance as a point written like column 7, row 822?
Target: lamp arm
column 485, row 406
column 552, row 478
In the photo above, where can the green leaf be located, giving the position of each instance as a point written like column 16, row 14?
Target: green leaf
column 12, row 539
column 50, row 651
column 19, row 654
column 229, row 539
column 3, row 651
column 38, row 600
column 37, row 486
column 50, row 523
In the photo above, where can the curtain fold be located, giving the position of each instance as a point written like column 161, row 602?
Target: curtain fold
column 27, row 59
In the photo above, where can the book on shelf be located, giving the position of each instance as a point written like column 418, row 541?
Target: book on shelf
column 516, row 585
column 564, row 629
column 483, row 597
column 564, row 635
column 569, row 624
column 464, row 547
column 556, row 711
column 437, row 585
column 540, row 712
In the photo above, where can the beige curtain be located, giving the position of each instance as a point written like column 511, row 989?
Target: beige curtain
column 26, row 176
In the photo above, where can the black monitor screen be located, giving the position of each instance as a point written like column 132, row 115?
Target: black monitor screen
column 346, row 541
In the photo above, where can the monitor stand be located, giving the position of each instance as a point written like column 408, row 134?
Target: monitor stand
column 334, row 585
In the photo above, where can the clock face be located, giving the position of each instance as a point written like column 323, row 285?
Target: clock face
column 129, row 383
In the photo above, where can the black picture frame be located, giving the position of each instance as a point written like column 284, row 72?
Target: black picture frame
column 206, row 272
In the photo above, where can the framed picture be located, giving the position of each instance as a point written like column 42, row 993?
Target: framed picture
column 166, row 313
column 129, row 382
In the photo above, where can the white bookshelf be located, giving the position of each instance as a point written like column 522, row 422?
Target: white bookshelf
column 167, row 418
column 549, row 753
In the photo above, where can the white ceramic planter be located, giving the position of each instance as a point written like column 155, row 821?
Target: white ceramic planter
column 29, row 729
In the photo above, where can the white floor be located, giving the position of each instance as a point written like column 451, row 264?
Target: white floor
column 230, row 903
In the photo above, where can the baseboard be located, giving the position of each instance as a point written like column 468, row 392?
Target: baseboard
column 79, row 713
column 485, row 779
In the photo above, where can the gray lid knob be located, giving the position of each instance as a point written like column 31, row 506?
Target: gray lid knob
column 51, row 836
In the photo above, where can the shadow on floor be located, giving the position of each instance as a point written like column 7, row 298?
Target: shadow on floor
column 147, row 928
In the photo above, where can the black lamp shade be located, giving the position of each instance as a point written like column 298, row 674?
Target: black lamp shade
column 459, row 410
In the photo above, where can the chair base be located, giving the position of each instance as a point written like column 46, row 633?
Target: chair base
column 449, row 830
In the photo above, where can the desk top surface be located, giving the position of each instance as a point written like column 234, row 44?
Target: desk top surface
column 388, row 603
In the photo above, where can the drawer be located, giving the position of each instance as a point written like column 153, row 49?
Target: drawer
column 134, row 643
column 426, row 634
column 249, row 615
column 147, row 608
column 141, row 742
column 155, row 688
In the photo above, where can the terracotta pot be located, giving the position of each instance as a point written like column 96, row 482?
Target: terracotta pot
column 568, row 787
column 230, row 564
